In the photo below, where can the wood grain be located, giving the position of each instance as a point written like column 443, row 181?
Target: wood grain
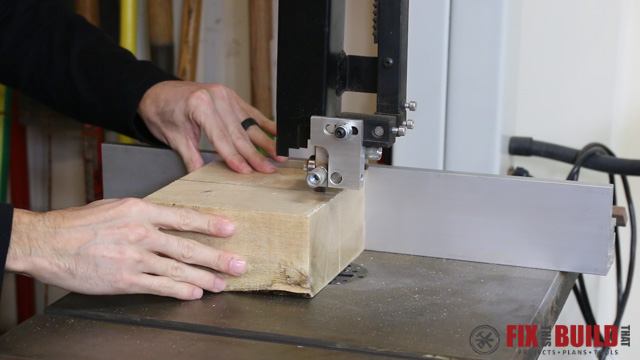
column 294, row 239
column 260, row 35
column 189, row 37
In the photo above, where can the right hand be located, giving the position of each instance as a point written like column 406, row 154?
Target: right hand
column 116, row 247
column 177, row 111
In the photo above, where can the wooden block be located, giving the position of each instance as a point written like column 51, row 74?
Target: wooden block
column 293, row 238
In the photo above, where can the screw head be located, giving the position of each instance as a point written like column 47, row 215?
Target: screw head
column 378, row 131
column 410, row 124
column 336, row 178
column 400, row 131
column 387, row 62
column 411, row 106
column 316, row 177
column 342, row 131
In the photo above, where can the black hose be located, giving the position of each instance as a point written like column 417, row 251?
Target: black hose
column 526, row 146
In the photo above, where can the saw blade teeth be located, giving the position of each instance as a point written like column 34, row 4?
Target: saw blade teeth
column 375, row 21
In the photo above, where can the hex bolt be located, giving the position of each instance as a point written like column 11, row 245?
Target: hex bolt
column 378, row 131
column 387, row 63
column 317, row 177
column 411, row 106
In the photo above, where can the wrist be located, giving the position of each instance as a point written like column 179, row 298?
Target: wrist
column 147, row 114
column 23, row 243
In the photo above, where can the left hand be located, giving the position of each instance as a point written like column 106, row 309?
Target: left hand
column 177, row 111
column 116, row 247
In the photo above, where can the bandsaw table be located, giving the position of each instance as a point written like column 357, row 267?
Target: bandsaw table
column 404, row 306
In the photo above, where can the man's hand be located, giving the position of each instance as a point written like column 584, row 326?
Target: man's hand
column 176, row 111
column 116, row 247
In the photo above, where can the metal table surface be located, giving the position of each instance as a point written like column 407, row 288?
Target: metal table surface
column 60, row 337
column 407, row 307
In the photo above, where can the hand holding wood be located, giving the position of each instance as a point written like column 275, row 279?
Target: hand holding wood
column 116, row 247
column 176, row 111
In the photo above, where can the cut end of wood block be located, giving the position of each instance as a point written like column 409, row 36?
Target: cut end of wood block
column 295, row 240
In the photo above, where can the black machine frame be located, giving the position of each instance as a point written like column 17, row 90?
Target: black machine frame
column 314, row 70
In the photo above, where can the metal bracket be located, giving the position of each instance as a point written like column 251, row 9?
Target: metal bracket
column 339, row 153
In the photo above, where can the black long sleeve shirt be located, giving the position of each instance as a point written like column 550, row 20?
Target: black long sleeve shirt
column 59, row 59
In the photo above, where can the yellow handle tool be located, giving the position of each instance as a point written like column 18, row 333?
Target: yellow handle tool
column 128, row 32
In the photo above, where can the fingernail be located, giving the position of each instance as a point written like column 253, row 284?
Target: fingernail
column 227, row 228
column 197, row 293
column 220, row 284
column 238, row 267
column 268, row 165
column 246, row 168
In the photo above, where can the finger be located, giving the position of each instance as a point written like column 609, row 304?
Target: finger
column 266, row 143
column 239, row 136
column 261, row 139
column 190, row 220
column 264, row 122
column 164, row 286
column 190, row 155
column 185, row 143
column 193, row 252
column 181, row 272
column 215, row 130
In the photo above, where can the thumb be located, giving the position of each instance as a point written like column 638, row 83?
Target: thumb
column 190, row 156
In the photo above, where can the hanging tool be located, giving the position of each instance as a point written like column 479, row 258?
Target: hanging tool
column 160, row 21
column 128, row 27
column 189, row 36
column 260, row 35
column 92, row 136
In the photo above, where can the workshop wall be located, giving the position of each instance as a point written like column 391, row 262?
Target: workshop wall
column 578, row 82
